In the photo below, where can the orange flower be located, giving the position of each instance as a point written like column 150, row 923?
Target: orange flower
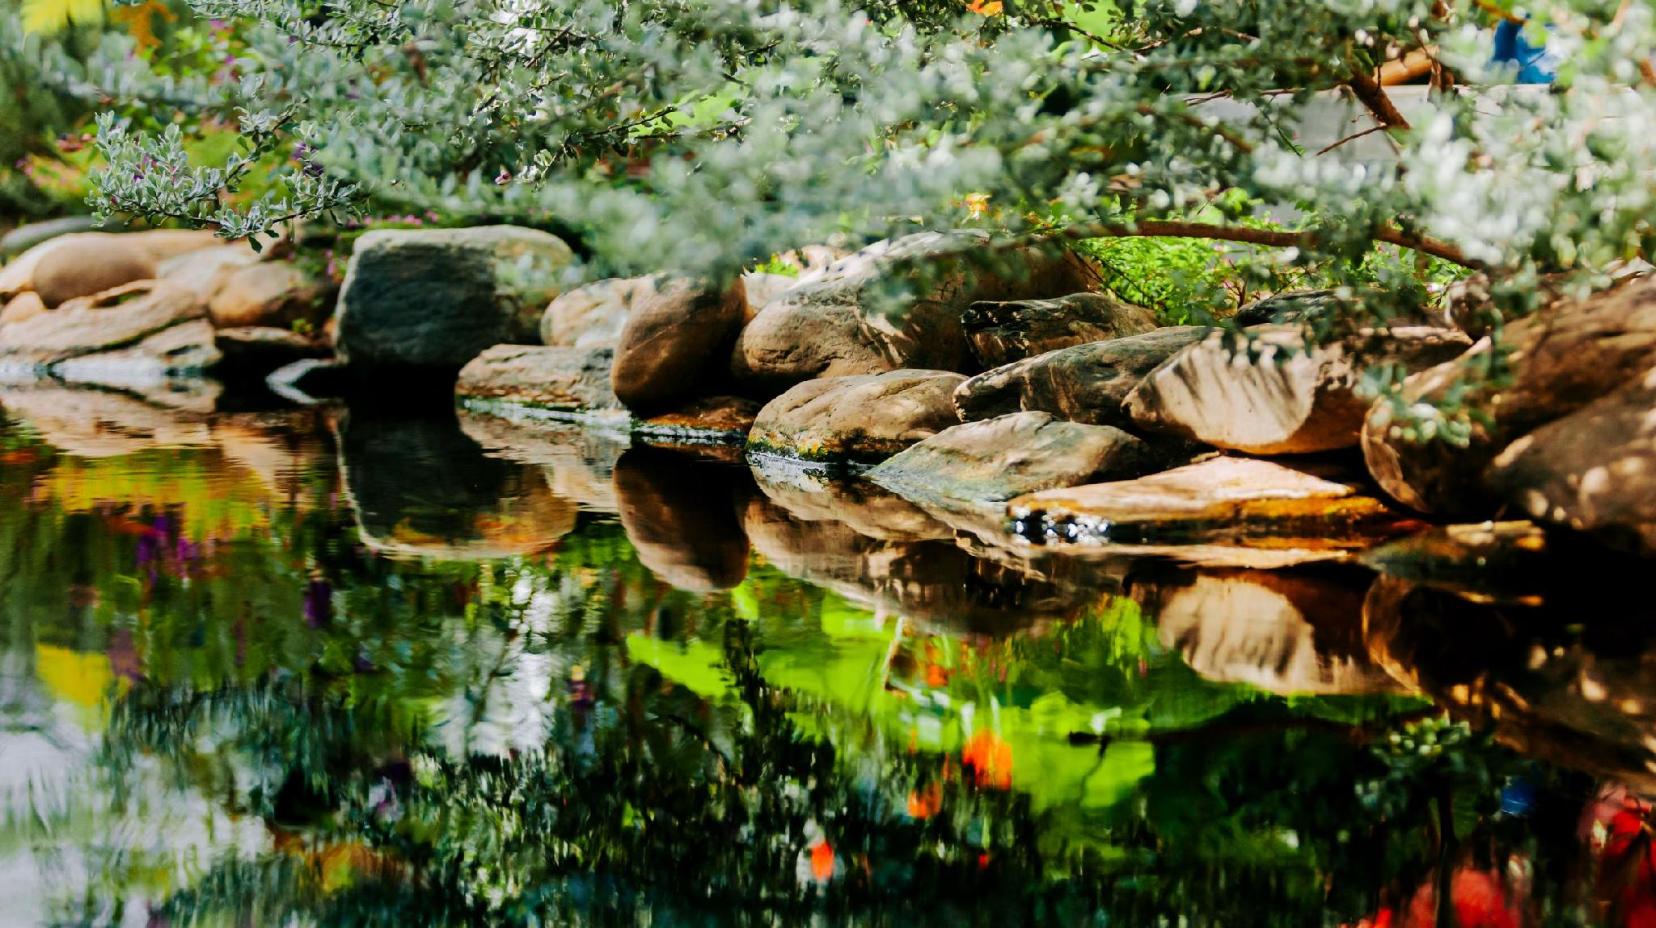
column 822, row 861
column 985, row 7
column 923, row 804
column 990, row 759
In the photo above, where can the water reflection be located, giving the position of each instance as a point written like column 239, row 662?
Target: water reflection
column 365, row 666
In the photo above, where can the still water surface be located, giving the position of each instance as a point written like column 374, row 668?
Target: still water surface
column 341, row 668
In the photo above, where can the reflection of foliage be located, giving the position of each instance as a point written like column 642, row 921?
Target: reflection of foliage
column 564, row 738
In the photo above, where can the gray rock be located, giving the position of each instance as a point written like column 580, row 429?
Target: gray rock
column 1008, row 456
column 1087, row 383
column 838, row 420
column 1001, row 333
column 435, row 298
column 852, row 319
column 532, row 380
column 1286, row 308
column 674, row 335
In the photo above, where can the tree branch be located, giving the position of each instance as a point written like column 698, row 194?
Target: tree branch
column 1275, row 238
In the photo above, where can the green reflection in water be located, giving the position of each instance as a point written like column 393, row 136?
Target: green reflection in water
column 245, row 685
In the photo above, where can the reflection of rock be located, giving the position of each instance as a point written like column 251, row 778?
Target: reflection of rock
column 867, row 509
column 1283, row 632
column 934, row 582
column 421, row 488
column 284, row 450
column 681, row 518
column 578, row 463
column 1226, row 500
column 96, row 423
column 1499, row 559
column 1580, row 696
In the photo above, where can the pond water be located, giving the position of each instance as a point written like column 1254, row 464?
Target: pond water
column 345, row 667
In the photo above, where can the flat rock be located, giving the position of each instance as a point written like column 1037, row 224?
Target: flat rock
column 852, row 318
column 674, row 335
column 1592, row 471
column 721, row 419
column 177, row 352
column 1220, row 499
column 593, row 315
column 533, row 379
column 1273, row 394
column 1561, row 359
column 1001, row 333
column 997, row 459
column 856, row 419
column 1085, row 383
column 681, row 517
column 436, row 298
column 114, row 319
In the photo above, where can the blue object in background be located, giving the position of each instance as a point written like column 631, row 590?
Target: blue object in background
column 1535, row 64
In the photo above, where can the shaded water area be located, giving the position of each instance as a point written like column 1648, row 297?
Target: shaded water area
column 357, row 666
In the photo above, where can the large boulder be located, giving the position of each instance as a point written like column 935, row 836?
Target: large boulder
column 86, row 263
column 1086, row 383
column 1275, row 395
column 531, row 379
column 268, row 293
column 1559, row 360
column 1001, row 333
column 1225, row 499
column 115, row 319
column 435, row 298
column 856, row 419
column 592, row 315
column 1592, row 471
column 852, row 318
column 998, row 459
column 674, row 335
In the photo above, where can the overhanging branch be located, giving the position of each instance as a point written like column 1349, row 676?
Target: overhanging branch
column 1275, row 238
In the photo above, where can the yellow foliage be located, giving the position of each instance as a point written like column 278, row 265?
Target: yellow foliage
column 139, row 21
column 79, row 678
column 52, row 15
